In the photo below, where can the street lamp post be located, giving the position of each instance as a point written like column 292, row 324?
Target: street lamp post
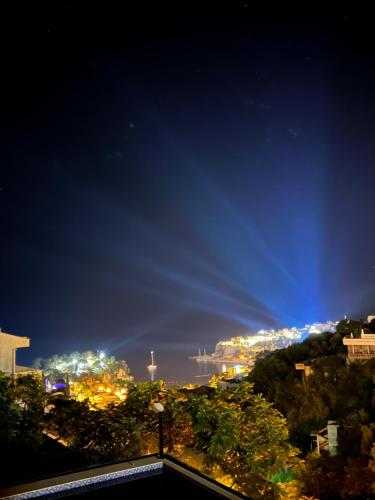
column 160, row 408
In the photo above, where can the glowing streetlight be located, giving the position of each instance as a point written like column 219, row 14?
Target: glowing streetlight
column 159, row 408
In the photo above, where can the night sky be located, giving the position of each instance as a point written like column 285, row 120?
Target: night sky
column 173, row 176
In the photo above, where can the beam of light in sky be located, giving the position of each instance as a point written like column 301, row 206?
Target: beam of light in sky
column 306, row 224
column 233, row 241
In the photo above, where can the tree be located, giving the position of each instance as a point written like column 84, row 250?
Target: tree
column 348, row 326
column 371, row 326
column 321, row 477
column 9, row 411
column 22, row 404
column 139, row 407
column 30, row 395
column 243, row 433
column 102, row 379
column 178, row 426
column 70, row 420
column 215, row 424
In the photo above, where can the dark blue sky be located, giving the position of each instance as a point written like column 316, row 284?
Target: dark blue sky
column 169, row 181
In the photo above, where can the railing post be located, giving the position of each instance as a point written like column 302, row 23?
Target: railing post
column 161, row 444
column 160, row 408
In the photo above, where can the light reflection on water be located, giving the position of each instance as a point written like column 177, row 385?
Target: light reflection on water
column 174, row 367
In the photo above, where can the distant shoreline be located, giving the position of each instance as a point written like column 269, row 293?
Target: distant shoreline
column 211, row 359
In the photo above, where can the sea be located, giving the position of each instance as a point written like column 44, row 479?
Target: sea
column 173, row 367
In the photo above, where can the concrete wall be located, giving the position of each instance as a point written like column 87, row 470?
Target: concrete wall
column 8, row 346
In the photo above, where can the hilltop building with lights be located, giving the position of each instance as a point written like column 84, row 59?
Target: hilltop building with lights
column 245, row 348
column 362, row 348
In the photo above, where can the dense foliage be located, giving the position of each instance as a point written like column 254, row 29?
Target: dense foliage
column 21, row 410
column 234, row 429
column 81, row 362
column 334, row 391
column 100, row 379
column 245, row 433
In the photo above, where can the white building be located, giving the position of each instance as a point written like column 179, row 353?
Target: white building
column 360, row 349
column 8, row 349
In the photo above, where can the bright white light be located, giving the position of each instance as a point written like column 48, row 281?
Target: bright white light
column 158, row 407
column 102, row 355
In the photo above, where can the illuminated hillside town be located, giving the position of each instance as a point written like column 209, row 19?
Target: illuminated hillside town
column 243, row 350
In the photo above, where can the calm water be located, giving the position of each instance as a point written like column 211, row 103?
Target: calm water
column 172, row 367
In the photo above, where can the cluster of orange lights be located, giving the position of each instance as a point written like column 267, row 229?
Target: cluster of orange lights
column 102, row 395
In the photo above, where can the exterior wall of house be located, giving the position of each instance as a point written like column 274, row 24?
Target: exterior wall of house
column 360, row 349
column 305, row 368
column 8, row 346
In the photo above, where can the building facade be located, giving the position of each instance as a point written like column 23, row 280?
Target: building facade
column 305, row 367
column 360, row 349
column 8, row 350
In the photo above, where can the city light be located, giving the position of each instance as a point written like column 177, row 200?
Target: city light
column 245, row 348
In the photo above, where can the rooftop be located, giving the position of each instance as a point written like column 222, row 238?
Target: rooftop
column 162, row 478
